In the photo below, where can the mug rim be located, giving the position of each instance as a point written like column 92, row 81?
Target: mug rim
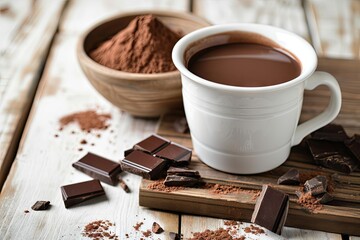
column 307, row 67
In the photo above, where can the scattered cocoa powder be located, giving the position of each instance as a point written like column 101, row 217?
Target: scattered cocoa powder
column 159, row 186
column 156, row 228
column 147, row 233
column 99, row 230
column 218, row 234
column 138, row 225
column 230, row 223
column 87, row 120
column 144, row 46
column 56, row 135
column 308, row 201
column 228, row 189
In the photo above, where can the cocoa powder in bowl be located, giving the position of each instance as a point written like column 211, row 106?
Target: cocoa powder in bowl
column 144, row 46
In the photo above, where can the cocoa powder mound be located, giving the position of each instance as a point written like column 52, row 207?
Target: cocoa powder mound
column 87, row 120
column 144, row 46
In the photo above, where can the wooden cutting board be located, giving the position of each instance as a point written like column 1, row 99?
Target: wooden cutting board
column 340, row 216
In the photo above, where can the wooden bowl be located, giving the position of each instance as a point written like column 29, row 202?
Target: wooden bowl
column 144, row 95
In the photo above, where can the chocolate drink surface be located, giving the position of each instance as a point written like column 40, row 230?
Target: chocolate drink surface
column 244, row 64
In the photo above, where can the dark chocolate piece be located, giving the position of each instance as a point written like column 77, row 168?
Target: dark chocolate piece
column 128, row 151
column 333, row 155
column 181, row 181
column 353, row 144
column 178, row 155
column 271, row 209
column 291, row 177
column 181, row 125
column 99, row 168
column 124, row 186
column 156, row 228
column 316, row 185
column 174, row 236
column 324, row 198
column 41, row 205
column 331, row 132
column 143, row 164
column 183, row 172
column 79, row 192
column 152, row 144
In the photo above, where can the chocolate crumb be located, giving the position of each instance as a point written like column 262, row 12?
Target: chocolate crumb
column 138, row 225
column 156, row 228
column 80, row 149
column 124, row 186
column 83, row 141
column 26, row 211
column 41, row 205
column 147, row 233
column 56, row 135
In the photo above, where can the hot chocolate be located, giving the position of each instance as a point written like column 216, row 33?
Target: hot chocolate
column 247, row 63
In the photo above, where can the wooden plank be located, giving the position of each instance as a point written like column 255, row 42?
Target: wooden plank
column 286, row 14
column 26, row 32
column 43, row 162
column 200, row 224
column 334, row 27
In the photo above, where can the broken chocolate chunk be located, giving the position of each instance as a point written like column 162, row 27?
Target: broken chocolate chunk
column 316, row 185
column 156, row 228
column 291, row 177
column 353, row 144
column 128, row 151
column 79, row 192
column 143, row 164
column 183, row 172
column 99, row 168
column 178, row 155
column 174, row 236
column 41, row 205
column 152, row 144
column 124, row 186
column 331, row 132
column 181, row 125
column 271, row 209
column 324, row 198
column 181, row 181
column 333, row 155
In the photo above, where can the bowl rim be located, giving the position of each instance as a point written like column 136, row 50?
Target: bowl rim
column 85, row 59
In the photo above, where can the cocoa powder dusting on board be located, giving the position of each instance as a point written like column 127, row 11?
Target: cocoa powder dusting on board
column 309, row 202
column 144, row 46
column 159, row 186
column 87, row 120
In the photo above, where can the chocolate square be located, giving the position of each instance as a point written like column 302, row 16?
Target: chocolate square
column 316, row 185
column 151, row 144
column 178, row 155
column 291, row 177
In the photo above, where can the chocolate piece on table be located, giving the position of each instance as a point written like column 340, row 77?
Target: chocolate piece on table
column 99, row 168
column 353, row 144
column 291, row 177
column 128, row 151
column 181, row 125
column 183, row 172
column 324, row 198
column 151, row 144
column 271, row 209
column 178, row 155
column 124, row 186
column 156, row 228
column 79, row 192
column 174, row 236
column 41, row 205
column 331, row 132
column 316, row 185
column 143, row 164
column 181, row 181
column 333, row 155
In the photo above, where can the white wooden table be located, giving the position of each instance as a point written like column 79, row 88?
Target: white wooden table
column 37, row 57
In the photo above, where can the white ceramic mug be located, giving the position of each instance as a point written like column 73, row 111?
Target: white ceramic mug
column 247, row 130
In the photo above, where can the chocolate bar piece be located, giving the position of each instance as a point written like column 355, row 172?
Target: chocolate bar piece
column 156, row 228
column 324, row 198
column 333, row 155
column 291, row 177
column 124, row 186
column 353, row 144
column 271, row 209
column 316, row 185
column 41, row 205
column 181, row 125
column 331, row 132
column 143, row 164
column 174, row 236
column 151, row 144
column 176, row 154
column 181, row 181
column 183, row 172
column 99, row 168
column 79, row 192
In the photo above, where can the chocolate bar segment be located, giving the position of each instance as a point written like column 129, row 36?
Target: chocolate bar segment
column 79, row 192
column 316, row 185
column 353, row 144
column 183, row 172
column 143, row 164
column 181, row 181
column 271, row 209
column 151, row 144
column 178, row 155
column 333, row 155
column 291, row 177
column 41, row 205
column 331, row 132
column 99, row 168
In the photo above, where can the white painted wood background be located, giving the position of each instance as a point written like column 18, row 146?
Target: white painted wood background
column 43, row 162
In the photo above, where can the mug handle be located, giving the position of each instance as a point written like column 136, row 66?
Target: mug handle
column 329, row 114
